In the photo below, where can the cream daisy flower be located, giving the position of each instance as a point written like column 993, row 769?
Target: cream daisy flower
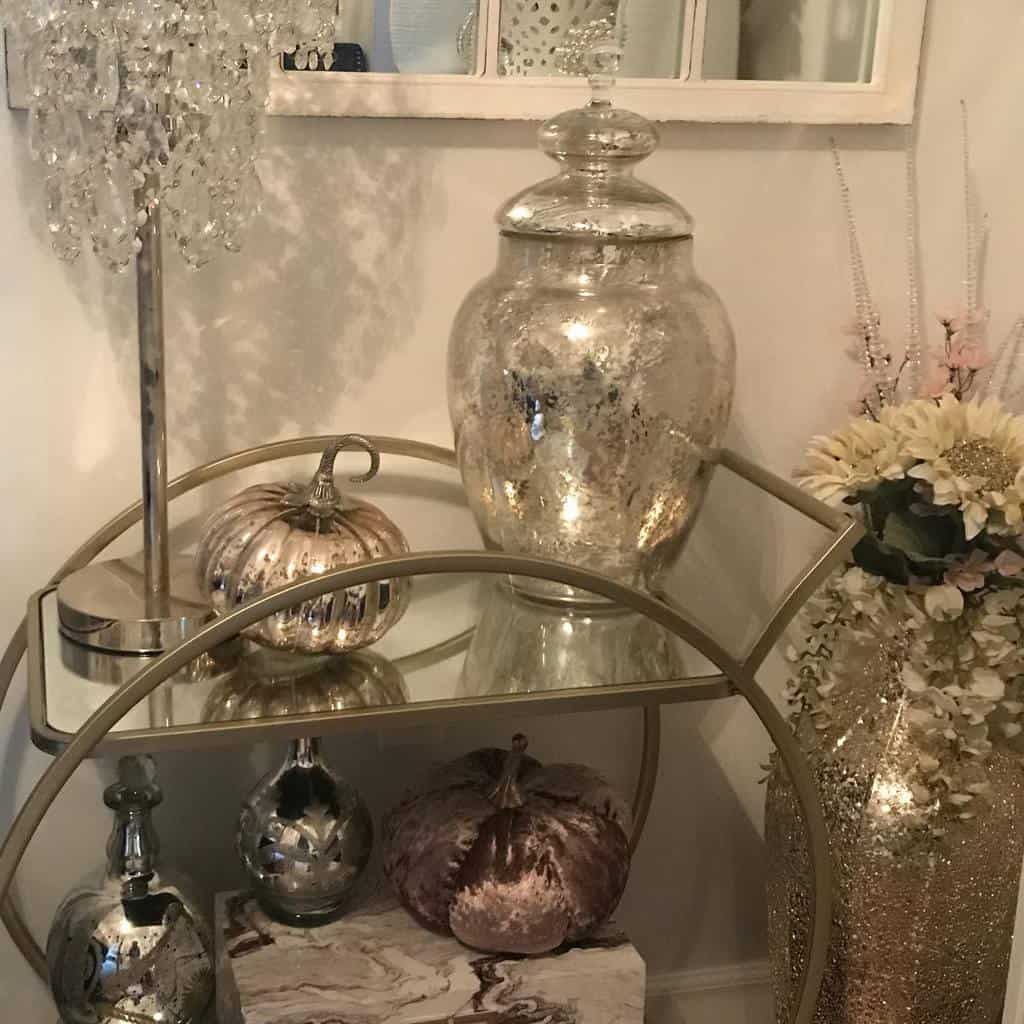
column 856, row 458
column 971, row 454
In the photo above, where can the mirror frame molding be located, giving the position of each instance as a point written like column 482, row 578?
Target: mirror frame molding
column 889, row 98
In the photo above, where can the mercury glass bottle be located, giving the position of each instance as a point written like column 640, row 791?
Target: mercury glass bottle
column 135, row 949
column 304, row 836
column 590, row 376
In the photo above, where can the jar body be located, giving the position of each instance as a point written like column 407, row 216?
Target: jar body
column 589, row 383
column 110, row 956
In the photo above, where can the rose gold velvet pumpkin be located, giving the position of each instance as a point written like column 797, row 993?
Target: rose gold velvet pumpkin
column 508, row 855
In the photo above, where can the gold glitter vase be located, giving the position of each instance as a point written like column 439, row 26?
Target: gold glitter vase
column 924, row 896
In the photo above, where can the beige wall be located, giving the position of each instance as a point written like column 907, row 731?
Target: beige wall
column 336, row 317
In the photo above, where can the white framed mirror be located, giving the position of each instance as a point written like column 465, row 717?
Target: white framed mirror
column 769, row 61
column 774, row 61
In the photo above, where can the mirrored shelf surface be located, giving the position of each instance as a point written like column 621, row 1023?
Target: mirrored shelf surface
column 467, row 644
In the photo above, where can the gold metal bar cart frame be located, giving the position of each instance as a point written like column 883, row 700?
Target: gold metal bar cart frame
column 736, row 675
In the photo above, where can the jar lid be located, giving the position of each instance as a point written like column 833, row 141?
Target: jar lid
column 596, row 194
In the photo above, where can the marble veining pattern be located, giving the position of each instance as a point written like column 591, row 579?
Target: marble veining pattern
column 377, row 965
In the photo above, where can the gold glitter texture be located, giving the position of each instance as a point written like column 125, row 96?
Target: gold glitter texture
column 976, row 458
column 924, row 901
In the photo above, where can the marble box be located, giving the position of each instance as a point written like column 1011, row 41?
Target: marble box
column 376, row 965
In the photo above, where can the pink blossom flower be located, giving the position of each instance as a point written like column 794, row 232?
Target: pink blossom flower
column 970, row 575
column 1009, row 563
column 936, row 381
column 968, row 355
column 956, row 319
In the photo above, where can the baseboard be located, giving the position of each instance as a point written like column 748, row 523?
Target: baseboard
column 728, row 994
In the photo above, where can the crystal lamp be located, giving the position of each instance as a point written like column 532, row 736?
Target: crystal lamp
column 145, row 115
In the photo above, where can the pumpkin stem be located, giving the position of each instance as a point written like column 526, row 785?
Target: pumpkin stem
column 506, row 794
column 323, row 495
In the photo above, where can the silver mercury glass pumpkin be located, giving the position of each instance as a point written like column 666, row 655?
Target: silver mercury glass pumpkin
column 276, row 533
column 590, row 377
column 304, row 836
column 134, row 949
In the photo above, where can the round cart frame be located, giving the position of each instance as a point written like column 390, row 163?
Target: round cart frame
column 740, row 672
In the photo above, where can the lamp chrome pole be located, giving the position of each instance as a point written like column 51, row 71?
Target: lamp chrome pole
column 150, row 603
column 153, row 412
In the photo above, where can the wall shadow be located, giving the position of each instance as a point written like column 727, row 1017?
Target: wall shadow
column 327, row 287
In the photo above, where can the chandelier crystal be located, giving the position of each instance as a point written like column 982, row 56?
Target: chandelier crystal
column 137, row 102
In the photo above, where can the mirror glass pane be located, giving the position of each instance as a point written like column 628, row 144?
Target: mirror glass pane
column 421, row 37
column 463, row 638
column 790, row 40
column 543, row 38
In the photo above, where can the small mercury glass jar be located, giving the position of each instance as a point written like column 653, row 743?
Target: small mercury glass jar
column 304, row 836
column 590, row 376
column 135, row 948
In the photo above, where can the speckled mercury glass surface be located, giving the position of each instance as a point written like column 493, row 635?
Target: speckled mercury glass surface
column 925, row 899
column 591, row 375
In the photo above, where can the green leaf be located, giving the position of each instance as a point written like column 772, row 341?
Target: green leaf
column 879, row 560
column 888, row 497
column 919, row 536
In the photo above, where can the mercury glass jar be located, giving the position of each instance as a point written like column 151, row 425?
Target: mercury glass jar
column 304, row 836
column 590, row 376
column 135, row 948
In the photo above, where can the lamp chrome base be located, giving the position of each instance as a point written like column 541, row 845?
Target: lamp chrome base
column 103, row 606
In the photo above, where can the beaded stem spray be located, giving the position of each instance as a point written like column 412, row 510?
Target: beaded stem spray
column 960, row 364
column 879, row 384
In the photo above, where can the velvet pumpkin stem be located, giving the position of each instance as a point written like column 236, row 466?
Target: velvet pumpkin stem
column 506, row 795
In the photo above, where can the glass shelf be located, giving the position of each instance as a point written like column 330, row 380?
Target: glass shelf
column 467, row 643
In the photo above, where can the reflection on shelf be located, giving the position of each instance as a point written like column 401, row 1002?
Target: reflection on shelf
column 524, row 646
column 465, row 639
column 269, row 684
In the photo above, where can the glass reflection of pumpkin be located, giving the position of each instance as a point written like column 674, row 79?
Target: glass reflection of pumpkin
column 269, row 684
column 508, row 855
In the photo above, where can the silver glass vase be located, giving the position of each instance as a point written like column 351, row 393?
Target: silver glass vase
column 135, row 949
column 924, row 898
column 304, row 836
column 590, row 376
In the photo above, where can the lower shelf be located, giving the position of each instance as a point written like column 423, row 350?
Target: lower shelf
column 377, row 966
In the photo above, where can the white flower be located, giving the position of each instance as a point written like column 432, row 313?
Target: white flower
column 858, row 457
column 971, row 456
column 1009, row 563
column 985, row 682
column 944, row 602
column 913, row 681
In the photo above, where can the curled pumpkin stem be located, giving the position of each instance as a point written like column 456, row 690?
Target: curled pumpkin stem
column 350, row 442
column 322, row 494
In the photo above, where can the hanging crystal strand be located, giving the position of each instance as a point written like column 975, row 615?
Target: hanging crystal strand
column 876, row 357
column 95, row 110
column 913, row 369
column 1001, row 378
column 622, row 26
column 971, row 239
